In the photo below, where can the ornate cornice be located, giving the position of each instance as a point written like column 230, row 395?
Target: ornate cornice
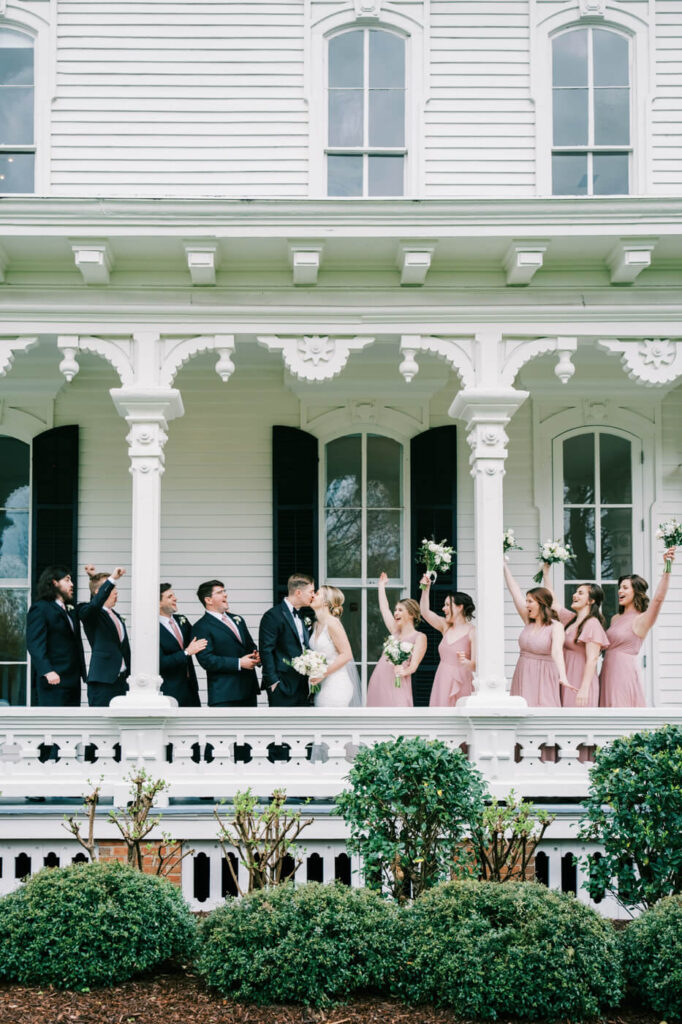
column 314, row 357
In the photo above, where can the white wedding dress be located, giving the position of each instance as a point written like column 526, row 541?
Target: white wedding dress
column 341, row 689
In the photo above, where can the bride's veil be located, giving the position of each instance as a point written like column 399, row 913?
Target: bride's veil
column 356, row 700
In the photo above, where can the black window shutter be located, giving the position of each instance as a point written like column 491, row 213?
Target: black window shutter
column 433, row 460
column 294, row 506
column 55, row 500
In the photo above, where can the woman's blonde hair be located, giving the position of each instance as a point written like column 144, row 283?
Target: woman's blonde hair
column 411, row 607
column 333, row 598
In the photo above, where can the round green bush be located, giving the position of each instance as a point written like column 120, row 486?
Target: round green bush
column 313, row 944
column 488, row 950
column 91, row 924
column 652, row 956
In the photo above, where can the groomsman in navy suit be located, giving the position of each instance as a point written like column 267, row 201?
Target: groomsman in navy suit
column 53, row 638
column 230, row 655
column 284, row 634
column 176, row 647
column 108, row 639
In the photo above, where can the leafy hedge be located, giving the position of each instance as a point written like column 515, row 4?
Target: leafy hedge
column 91, row 924
column 313, row 944
column 652, row 948
column 488, row 950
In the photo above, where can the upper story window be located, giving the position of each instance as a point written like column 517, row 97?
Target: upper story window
column 591, row 133
column 366, row 149
column 17, row 133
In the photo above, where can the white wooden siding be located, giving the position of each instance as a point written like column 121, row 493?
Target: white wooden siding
column 666, row 120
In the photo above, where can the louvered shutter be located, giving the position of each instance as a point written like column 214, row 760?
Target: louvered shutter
column 294, row 506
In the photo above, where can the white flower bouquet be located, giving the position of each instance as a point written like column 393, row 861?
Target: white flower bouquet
column 397, row 652
column 311, row 664
column 436, row 558
column 670, row 532
column 509, row 542
column 554, row 553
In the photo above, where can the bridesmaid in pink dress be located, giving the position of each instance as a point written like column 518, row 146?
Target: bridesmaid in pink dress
column 621, row 680
column 382, row 691
column 455, row 674
column 584, row 640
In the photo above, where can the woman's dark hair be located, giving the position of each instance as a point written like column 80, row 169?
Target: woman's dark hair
column 596, row 600
column 545, row 599
column 45, row 588
column 640, row 587
column 464, row 601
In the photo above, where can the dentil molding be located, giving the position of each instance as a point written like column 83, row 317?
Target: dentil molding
column 650, row 361
column 314, row 357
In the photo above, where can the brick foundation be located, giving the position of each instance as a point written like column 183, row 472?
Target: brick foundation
column 115, row 851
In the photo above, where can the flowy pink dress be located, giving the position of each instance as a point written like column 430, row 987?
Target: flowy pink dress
column 452, row 679
column 575, row 656
column 621, row 679
column 382, row 691
column 536, row 677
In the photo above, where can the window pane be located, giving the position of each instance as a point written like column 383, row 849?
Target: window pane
column 611, row 58
column 346, row 60
column 13, row 605
column 344, row 175
column 569, row 58
column 611, row 174
column 579, row 469
column 610, row 605
column 579, row 532
column 383, row 543
column 352, row 619
column 376, row 629
column 570, row 117
column 386, row 117
column 13, row 684
column 569, row 174
column 16, row 66
column 344, row 472
column 615, row 469
column 386, row 60
column 345, row 117
column 13, row 545
column 612, row 117
column 16, row 115
column 383, row 473
column 344, row 544
column 16, row 172
column 616, row 542
column 386, row 176
column 14, row 473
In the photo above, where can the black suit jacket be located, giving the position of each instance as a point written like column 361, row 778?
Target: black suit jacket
column 279, row 643
column 220, row 658
column 107, row 650
column 177, row 668
column 55, row 646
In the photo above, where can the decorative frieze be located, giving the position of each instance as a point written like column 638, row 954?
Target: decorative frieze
column 650, row 361
column 314, row 357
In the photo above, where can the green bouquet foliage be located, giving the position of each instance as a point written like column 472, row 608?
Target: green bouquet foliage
column 652, row 953
column 313, row 944
column 634, row 810
column 411, row 805
column 91, row 924
column 488, row 951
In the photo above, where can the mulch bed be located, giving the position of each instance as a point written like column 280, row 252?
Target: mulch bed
column 181, row 998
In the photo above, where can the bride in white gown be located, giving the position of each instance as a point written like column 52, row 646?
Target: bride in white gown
column 340, row 685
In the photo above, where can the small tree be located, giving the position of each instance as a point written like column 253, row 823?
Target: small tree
column 264, row 839
column 72, row 825
column 409, row 808
column 507, row 837
column 634, row 811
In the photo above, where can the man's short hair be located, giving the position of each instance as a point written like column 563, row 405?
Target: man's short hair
column 299, row 581
column 45, row 588
column 205, row 590
column 163, row 588
column 97, row 580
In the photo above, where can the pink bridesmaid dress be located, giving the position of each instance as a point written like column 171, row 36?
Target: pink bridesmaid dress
column 382, row 691
column 452, row 679
column 536, row 677
column 621, row 680
column 575, row 655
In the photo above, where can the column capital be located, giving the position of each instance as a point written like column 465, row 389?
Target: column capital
column 147, row 404
column 486, row 405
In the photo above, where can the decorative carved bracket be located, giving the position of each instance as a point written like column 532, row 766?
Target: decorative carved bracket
column 523, row 260
column 413, row 260
column 305, row 259
column 651, row 361
column 177, row 352
column 117, row 351
column 8, row 349
column 94, row 259
column 203, row 259
column 518, row 353
column 455, row 351
column 314, row 357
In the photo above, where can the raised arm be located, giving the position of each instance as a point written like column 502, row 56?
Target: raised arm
column 384, row 608
column 645, row 621
column 437, row 621
column 516, row 595
column 546, row 583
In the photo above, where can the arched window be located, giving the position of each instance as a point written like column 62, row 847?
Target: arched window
column 591, row 132
column 366, row 148
column 15, row 503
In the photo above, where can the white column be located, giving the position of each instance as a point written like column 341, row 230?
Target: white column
column 486, row 412
column 146, row 411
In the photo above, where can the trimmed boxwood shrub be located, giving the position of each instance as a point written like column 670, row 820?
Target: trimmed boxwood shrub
column 488, row 950
column 652, row 948
column 314, row 944
column 91, row 924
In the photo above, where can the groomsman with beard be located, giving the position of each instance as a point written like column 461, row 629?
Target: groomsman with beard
column 176, row 647
column 108, row 639
column 229, row 655
column 284, row 634
column 53, row 638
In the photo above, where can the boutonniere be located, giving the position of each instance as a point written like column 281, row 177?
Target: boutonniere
column 237, row 619
column 69, row 607
column 121, row 617
column 307, row 622
column 182, row 620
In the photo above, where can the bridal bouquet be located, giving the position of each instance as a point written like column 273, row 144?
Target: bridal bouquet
column 435, row 557
column 311, row 664
column 509, row 542
column 397, row 652
column 553, row 552
column 670, row 533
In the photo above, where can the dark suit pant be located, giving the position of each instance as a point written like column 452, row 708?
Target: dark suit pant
column 185, row 694
column 245, row 702
column 63, row 695
column 277, row 699
column 100, row 695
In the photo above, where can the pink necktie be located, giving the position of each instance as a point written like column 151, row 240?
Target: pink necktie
column 230, row 623
column 117, row 623
column 176, row 632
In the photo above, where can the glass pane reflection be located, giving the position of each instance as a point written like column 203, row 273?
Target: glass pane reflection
column 344, row 544
column 352, row 619
column 569, row 174
column 383, row 543
column 611, row 117
column 17, row 172
column 386, row 117
column 611, row 174
column 13, row 544
column 13, row 606
column 579, row 532
column 344, row 472
column 346, row 60
column 579, row 469
column 615, row 470
column 611, row 58
column 16, row 115
column 344, row 175
column 376, row 629
column 13, row 684
column 386, row 175
column 570, row 117
column 14, row 470
column 345, row 117
column 616, row 542
column 386, row 61
column 569, row 58
column 383, row 472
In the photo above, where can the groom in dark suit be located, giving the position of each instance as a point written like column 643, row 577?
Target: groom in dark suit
column 284, row 634
column 230, row 656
